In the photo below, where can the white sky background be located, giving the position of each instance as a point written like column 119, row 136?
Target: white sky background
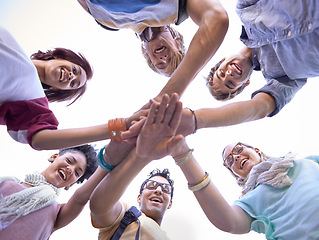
column 122, row 83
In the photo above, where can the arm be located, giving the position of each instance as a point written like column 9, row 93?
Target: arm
column 258, row 107
column 225, row 217
column 84, row 5
column 155, row 141
column 57, row 139
column 69, row 211
column 212, row 20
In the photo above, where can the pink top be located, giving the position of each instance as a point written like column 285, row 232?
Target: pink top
column 34, row 226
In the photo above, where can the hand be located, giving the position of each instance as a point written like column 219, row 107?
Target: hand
column 157, row 136
column 116, row 152
column 142, row 112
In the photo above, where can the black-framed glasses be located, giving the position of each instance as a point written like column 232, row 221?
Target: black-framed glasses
column 237, row 149
column 152, row 185
column 150, row 33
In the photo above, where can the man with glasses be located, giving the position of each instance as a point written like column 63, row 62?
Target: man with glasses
column 162, row 45
column 155, row 140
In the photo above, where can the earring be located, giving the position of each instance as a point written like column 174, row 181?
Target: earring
column 66, row 187
column 51, row 159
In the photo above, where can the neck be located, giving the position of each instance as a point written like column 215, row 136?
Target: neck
column 247, row 52
column 39, row 65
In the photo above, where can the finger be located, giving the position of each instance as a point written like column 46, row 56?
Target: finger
column 170, row 109
column 177, row 116
column 161, row 109
column 151, row 114
column 134, row 130
column 131, row 140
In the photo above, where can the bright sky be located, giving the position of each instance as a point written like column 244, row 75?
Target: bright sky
column 122, row 83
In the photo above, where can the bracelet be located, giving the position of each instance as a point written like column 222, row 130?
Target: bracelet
column 202, row 184
column 101, row 161
column 180, row 160
column 195, row 120
column 116, row 127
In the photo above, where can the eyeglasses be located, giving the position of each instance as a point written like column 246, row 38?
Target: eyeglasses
column 152, row 185
column 150, row 33
column 237, row 149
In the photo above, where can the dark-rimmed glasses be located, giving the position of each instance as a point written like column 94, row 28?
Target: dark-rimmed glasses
column 152, row 185
column 237, row 149
column 150, row 33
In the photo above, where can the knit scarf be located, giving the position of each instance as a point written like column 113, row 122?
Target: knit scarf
column 272, row 172
column 40, row 195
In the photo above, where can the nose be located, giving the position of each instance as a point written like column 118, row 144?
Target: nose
column 71, row 76
column 229, row 72
column 158, row 189
column 236, row 156
column 164, row 58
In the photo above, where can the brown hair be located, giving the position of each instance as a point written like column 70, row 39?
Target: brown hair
column 65, row 54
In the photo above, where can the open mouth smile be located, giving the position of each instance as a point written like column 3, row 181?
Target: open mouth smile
column 159, row 50
column 237, row 68
column 62, row 174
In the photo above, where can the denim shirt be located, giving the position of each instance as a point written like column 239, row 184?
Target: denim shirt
column 284, row 35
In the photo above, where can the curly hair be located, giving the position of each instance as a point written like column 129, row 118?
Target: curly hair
column 176, row 59
column 91, row 160
column 64, row 54
column 215, row 91
column 156, row 172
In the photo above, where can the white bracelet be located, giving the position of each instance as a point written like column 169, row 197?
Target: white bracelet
column 183, row 158
column 202, row 184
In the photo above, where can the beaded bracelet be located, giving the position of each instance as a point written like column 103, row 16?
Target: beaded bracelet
column 195, row 120
column 116, row 127
column 180, row 160
column 101, row 161
column 202, row 184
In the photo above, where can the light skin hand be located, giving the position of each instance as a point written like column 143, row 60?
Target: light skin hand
column 157, row 137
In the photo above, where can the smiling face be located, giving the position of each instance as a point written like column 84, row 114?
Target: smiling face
column 154, row 203
column 162, row 52
column 232, row 73
column 240, row 159
column 63, row 74
column 65, row 169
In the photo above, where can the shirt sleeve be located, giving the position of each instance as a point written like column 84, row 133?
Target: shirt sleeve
column 26, row 118
column 283, row 90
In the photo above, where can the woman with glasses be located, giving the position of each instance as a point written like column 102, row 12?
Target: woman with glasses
column 162, row 45
column 279, row 194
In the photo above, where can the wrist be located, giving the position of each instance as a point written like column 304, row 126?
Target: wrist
column 102, row 160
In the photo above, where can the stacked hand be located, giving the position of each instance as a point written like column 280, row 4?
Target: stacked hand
column 156, row 133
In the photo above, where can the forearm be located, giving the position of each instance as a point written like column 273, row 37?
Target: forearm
column 57, row 139
column 213, row 25
column 235, row 113
column 104, row 200
column 79, row 199
column 216, row 208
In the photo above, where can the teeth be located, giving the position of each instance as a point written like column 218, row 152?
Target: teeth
column 160, row 50
column 62, row 74
column 242, row 163
column 62, row 174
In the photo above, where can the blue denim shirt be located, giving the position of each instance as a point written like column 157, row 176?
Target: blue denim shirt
column 285, row 38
